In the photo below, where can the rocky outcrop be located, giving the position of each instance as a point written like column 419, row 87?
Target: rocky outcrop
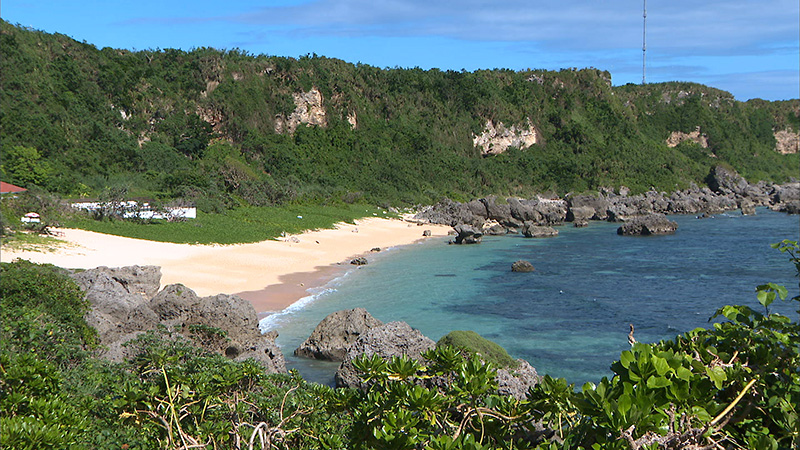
column 522, row 266
column 539, row 211
column 396, row 339
column 676, row 137
column 726, row 191
column 747, row 207
column 125, row 303
column 650, row 225
column 787, row 142
column 359, row 261
column 448, row 212
column 492, row 228
column 792, row 207
column 309, row 110
column 529, row 230
column 500, row 211
column 388, row 340
column 723, row 180
column 337, row 332
column 580, row 214
column 517, row 381
column 496, row 139
column 788, row 192
column 467, row 234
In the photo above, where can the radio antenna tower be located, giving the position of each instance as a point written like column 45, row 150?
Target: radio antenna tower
column 644, row 44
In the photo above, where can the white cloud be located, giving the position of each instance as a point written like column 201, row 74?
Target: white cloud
column 704, row 27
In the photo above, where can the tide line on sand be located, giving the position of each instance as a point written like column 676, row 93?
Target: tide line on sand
column 270, row 274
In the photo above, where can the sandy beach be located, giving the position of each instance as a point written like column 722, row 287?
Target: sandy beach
column 270, row 274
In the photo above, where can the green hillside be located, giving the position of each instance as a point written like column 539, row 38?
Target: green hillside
column 216, row 128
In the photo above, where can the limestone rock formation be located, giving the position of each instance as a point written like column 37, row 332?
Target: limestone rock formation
column 500, row 210
column 787, row 142
column 386, row 341
column 492, row 228
column 529, row 230
column 125, row 303
column 309, row 110
column 652, row 224
column 359, row 261
column 723, row 180
column 448, row 212
column 496, row 139
column 747, row 207
column 332, row 338
column 695, row 136
column 580, row 214
column 522, row 266
column 516, row 381
column 467, row 234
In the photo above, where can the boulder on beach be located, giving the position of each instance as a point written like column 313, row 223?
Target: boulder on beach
column 652, row 224
column 522, row 266
column 332, row 338
column 360, row 261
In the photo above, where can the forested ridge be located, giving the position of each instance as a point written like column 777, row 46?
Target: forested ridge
column 227, row 128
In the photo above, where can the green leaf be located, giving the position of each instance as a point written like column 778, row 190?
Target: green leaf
column 658, row 382
column 765, row 297
column 716, row 375
column 683, row 373
column 626, row 358
column 701, row 413
column 624, row 403
column 661, row 365
column 780, row 290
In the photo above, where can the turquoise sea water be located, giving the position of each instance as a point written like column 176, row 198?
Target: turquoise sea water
column 570, row 317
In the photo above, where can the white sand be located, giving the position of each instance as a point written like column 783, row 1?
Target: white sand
column 214, row 269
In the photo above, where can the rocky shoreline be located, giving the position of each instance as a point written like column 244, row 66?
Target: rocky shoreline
column 726, row 190
column 126, row 303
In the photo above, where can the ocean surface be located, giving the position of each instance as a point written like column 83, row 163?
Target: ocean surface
column 570, row 317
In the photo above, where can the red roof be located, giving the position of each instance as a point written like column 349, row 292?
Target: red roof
column 7, row 188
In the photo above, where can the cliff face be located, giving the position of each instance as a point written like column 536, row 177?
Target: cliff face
column 497, row 139
column 676, row 137
column 787, row 142
column 309, row 110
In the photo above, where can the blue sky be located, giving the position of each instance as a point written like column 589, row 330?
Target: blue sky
column 746, row 47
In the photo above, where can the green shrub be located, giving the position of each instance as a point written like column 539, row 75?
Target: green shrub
column 474, row 344
column 43, row 312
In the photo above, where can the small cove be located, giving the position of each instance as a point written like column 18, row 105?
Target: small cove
column 570, row 317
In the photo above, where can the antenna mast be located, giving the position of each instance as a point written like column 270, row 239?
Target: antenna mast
column 644, row 44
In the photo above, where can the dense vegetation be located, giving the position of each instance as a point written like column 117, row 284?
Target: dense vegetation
column 735, row 385
column 200, row 126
